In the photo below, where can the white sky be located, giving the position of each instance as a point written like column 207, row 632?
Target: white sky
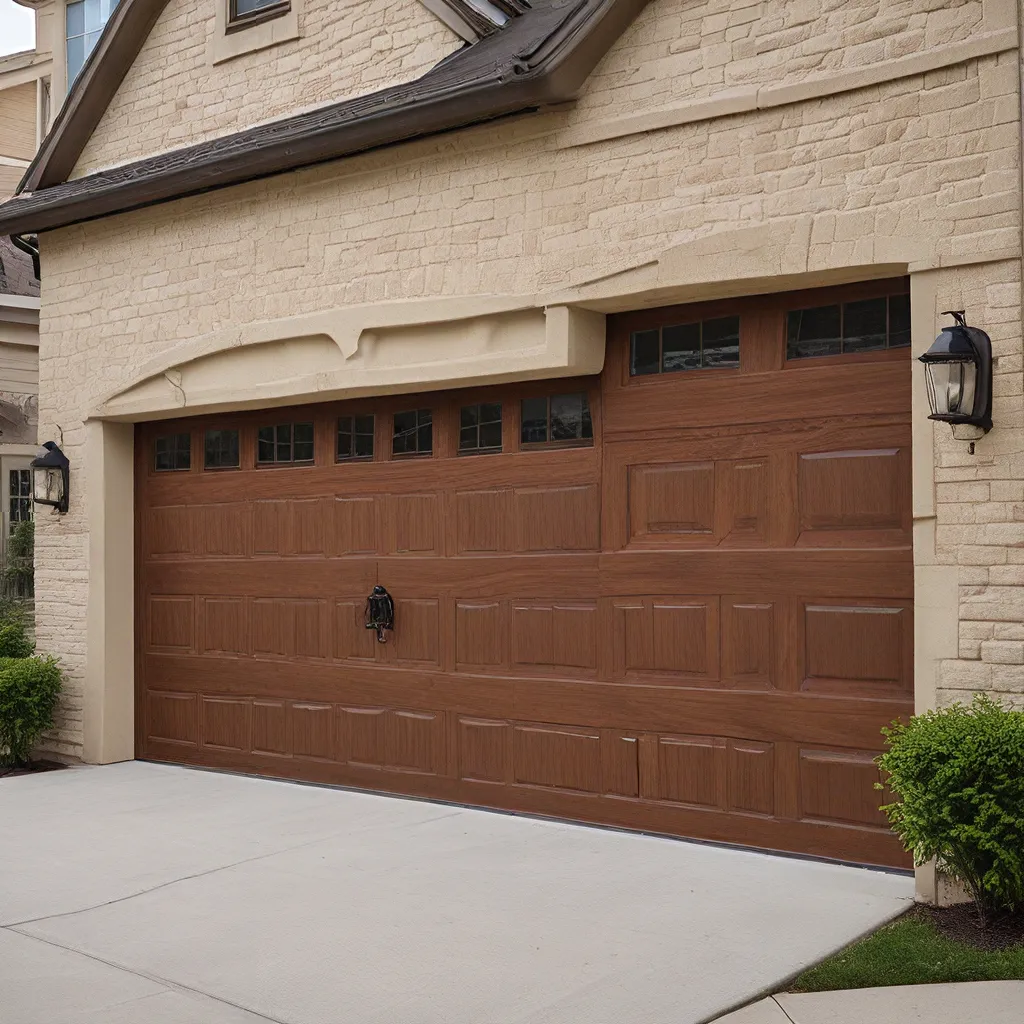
column 17, row 27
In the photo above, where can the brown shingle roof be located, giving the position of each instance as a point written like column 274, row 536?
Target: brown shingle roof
column 541, row 57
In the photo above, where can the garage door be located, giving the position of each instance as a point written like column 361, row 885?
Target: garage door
column 674, row 598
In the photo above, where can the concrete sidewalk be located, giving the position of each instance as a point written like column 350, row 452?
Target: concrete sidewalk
column 979, row 1002
column 149, row 894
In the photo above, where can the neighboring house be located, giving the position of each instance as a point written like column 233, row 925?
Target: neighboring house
column 586, row 329
column 24, row 99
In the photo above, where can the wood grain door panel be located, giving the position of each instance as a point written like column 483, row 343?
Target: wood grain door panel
column 695, row 622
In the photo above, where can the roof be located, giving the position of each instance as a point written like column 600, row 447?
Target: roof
column 540, row 56
column 16, row 276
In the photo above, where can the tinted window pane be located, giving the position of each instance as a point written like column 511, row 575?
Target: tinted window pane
column 364, row 437
column 814, row 332
column 172, row 451
column 413, row 433
column 355, row 437
column 535, row 420
column 570, row 418
column 220, row 449
column 76, row 18
column 899, row 321
column 469, row 417
column 284, row 443
column 345, row 438
column 242, row 7
column 645, row 356
column 720, row 342
column 864, row 325
column 302, row 442
column 265, row 444
column 680, row 348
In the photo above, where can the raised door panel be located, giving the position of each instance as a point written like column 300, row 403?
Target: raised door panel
column 685, row 638
column 484, row 750
column 416, row 741
column 690, row 770
column 270, row 628
column 557, row 518
column 416, row 635
column 223, row 530
column 271, row 728
column 269, row 527
column 361, row 736
column 854, row 493
column 354, row 526
column 313, row 731
column 743, row 486
column 620, row 764
column 225, row 723
column 308, row 636
column 482, row 522
column 858, row 649
column 224, row 625
column 751, row 777
column 554, row 636
column 748, row 644
column 306, row 527
column 839, row 786
column 173, row 717
column 674, row 501
column 169, row 532
column 559, row 757
column 171, row 624
column 415, row 524
column 352, row 640
column 481, row 635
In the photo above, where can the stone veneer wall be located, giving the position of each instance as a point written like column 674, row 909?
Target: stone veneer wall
column 931, row 157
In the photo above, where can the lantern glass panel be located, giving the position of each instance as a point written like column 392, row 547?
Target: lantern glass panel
column 48, row 484
column 951, row 387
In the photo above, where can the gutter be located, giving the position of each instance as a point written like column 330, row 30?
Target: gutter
column 538, row 60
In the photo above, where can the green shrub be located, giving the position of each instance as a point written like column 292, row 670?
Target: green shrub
column 29, row 688
column 14, row 641
column 18, row 574
column 959, row 776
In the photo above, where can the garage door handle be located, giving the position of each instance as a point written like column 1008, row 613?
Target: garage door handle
column 380, row 613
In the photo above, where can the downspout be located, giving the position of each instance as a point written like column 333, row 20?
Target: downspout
column 22, row 243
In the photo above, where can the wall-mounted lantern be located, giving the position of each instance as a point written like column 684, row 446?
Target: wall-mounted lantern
column 958, row 372
column 50, row 477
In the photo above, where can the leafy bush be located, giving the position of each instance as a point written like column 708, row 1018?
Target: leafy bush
column 29, row 688
column 14, row 641
column 959, row 774
column 18, row 574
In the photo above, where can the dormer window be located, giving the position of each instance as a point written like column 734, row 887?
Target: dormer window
column 243, row 13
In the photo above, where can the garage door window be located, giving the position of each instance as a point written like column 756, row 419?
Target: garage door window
column 285, row 443
column 480, row 428
column 414, row 433
column 557, row 420
column 173, row 452
column 705, row 345
column 355, row 438
column 865, row 325
column 220, row 449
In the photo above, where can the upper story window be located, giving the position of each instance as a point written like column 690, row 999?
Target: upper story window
column 864, row 325
column 84, row 21
column 705, row 345
column 249, row 12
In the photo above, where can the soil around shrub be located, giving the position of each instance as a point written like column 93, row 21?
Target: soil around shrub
column 31, row 768
column 961, row 923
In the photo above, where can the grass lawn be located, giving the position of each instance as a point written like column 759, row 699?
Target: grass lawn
column 910, row 951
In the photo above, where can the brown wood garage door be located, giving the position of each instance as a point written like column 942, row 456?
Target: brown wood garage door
column 677, row 599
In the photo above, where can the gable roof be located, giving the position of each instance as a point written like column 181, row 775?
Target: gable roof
column 539, row 57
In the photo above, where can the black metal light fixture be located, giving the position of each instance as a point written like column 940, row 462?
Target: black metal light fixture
column 50, row 477
column 380, row 613
column 958, row 372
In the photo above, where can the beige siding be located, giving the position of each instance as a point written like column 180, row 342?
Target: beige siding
column 9, row 178
column 18, row 122
column 347, row 48
column 514, row 209
column 19, row 364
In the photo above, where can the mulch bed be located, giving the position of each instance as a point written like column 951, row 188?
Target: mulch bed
column 30, row 769
column 960, row 923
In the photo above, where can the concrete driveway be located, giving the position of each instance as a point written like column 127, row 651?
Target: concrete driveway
column 144, row 894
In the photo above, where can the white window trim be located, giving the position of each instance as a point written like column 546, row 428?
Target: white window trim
column 226, row 45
